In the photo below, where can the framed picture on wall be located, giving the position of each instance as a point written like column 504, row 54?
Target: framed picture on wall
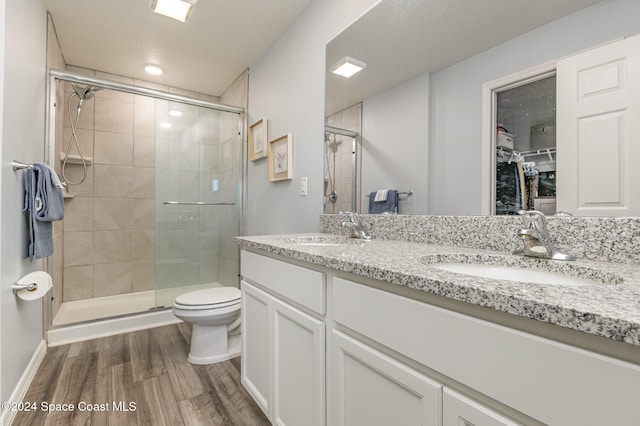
column 281, row 158
column 258, row 136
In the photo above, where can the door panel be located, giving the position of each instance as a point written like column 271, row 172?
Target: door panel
column 598, row 130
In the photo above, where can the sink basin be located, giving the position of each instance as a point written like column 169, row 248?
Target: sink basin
column 323, row 240
column 322, row 244
column 511, row 273
column 521, row 269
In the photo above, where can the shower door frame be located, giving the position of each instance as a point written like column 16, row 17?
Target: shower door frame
column 50, row 151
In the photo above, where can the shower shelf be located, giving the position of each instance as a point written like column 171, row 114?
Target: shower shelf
column 76, row 159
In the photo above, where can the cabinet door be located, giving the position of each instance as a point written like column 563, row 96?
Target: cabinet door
column 458, row 410
column 598, row 104
column 370, row 388
column 256, row 346
column 299, row 367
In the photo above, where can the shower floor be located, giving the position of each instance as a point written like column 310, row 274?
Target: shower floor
column 77, row 311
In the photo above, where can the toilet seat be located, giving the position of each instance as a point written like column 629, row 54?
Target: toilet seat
column 209, row 298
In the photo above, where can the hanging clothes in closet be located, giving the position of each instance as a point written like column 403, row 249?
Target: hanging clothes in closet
column 510, row 192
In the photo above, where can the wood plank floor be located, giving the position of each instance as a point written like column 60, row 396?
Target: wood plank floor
column 145, row 372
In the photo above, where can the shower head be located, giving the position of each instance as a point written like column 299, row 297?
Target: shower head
column 84, row 93
column 331, row 142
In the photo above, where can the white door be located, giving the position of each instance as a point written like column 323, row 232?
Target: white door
column 299, row 367
column 370, row 388
column 598, row 131
column 458, row 410
column 256, row 346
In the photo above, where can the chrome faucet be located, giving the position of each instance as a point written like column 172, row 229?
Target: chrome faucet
column 535, row 237
column 355, row 226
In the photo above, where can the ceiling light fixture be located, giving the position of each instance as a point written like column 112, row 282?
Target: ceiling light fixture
column 347, row 67
column 180, row 10
column 153, row 70
column 165, row 125
column 175, row 113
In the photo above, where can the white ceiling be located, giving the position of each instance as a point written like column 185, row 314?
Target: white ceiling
column 402, row 39
column 222, row 39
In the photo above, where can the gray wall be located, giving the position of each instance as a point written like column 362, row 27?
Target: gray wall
column 287, row 88
column 22, row 95
column 456, row 95
column 394, row 144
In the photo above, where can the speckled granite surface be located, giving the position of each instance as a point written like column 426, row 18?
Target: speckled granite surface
column 609, row 308
column 594, row 238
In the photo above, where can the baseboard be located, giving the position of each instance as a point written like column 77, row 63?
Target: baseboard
column 64, row 335
column 25, row 381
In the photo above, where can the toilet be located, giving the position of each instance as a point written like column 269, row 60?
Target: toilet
column 214, row 312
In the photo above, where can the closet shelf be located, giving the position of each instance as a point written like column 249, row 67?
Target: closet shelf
column 544, row 151
column 76, row 159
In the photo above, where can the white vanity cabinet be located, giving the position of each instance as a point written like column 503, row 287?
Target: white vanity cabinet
column 283, row 359
column 371, row 388
column 382, row 358
column 459, row 410
column 546, row 380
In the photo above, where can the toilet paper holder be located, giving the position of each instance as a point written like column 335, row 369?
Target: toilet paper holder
column 16, row 287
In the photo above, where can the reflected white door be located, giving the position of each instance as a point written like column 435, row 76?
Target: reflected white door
column 598, row 131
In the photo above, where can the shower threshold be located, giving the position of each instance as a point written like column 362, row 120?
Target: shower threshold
column 77, row 311
column 87, row 319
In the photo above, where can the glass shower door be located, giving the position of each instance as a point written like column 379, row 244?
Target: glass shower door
column 197, row 199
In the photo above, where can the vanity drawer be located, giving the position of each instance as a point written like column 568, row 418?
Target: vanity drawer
column 301, row 285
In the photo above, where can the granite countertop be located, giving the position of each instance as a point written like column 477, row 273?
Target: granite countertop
column 609, row 308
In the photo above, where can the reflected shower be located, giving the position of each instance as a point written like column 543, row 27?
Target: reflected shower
column 330, row 147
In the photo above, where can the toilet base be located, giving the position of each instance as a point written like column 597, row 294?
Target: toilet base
column 212, row 344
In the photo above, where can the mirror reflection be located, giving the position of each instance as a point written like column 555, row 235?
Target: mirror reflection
column 526, row 147
column 342, row 155
column 421, row 97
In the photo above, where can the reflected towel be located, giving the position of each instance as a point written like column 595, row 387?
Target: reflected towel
column 44, row 201
column 381, row 195
column 390, row 205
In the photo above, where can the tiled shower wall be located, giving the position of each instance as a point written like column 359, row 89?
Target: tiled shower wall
column 109, row 224
column 340, row 156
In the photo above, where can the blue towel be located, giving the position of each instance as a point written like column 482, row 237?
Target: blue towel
column 44, row 201
column 389, row 205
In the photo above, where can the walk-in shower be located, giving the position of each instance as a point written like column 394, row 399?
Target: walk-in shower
column 153, row 198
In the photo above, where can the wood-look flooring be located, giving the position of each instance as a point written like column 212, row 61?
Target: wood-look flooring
column 148, row 369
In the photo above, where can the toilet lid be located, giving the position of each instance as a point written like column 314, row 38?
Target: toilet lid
column 210, row 297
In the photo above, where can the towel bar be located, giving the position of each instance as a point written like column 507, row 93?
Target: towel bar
column 407, row 193
column 18, row 165
column 197, row 203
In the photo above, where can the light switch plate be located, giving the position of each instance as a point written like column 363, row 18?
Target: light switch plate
column 303, row 185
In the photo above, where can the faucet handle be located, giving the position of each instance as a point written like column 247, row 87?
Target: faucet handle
column 354, row 217
column 534, row 219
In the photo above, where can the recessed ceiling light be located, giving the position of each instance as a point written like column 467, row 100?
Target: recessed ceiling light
column 165, row 124
column 180, row 10
column 153, row 70
column 175, row 113
column 347, row 67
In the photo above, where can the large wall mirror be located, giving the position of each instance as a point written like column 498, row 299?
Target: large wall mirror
column 417, row 106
